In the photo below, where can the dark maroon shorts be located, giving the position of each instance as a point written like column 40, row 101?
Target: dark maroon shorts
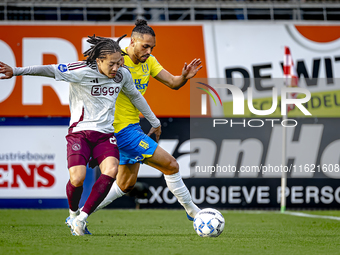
column 83, row 145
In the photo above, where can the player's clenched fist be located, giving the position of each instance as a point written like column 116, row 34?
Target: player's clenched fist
column 6, row 70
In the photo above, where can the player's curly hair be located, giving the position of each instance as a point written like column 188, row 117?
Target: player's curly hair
column 102, row 46
column 142, row 28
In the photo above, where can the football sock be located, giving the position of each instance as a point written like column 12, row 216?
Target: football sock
column 181, row 192
column 73, row 196
column 74, row 214
column 82, row 216
column 114, row 193
column 99, row 191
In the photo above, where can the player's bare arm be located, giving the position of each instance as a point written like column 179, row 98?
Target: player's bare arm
column 6, row 70
column 176, row 82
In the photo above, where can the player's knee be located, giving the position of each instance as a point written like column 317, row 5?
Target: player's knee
column 111, row 171
column 77, row 181
column 172, row 167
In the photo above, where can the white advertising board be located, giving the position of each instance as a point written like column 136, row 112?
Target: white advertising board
column 33, row 162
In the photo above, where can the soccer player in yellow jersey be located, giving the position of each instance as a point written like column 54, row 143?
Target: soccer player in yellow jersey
column 134, row 145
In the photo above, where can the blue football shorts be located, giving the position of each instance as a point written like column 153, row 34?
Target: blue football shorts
column 134, row 145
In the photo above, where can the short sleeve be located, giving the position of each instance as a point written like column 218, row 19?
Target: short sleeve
column 156, row 67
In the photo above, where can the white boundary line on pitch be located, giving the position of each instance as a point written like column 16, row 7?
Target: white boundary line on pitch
column 312, row 216
column 298, row 214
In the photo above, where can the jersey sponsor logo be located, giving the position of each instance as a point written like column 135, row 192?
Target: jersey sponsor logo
column 141, row 87
column 98, row 90
column 118, row 78
column 76, row 147
column 144, row 145
column 145, row 68
column 62, row 68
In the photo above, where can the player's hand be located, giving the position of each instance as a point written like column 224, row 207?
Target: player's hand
column 157, row 131
column 6, row 70
column 190, row 70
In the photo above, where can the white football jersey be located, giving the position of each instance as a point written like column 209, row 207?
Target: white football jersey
column 92, row 95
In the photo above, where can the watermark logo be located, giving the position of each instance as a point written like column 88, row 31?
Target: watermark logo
column 238, row 103
column 238, row 100
column 204, row 97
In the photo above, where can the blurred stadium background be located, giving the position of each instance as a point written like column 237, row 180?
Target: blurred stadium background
column 237, row 42
column 172, row 10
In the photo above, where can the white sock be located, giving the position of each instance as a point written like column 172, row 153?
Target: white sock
column 82, row 216
column 73, row 214
column 181, row 192
column 114, row 193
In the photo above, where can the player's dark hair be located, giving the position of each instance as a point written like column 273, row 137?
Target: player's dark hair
column 102, row 46
column 142, row 28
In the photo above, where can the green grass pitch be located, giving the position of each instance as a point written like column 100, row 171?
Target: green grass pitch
column 168, row 232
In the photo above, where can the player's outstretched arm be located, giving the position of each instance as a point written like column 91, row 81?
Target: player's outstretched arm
column 6, row 70
column 176, row 82
column 9, row 72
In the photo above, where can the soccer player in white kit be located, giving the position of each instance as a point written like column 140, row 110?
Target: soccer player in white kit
column 94, row 87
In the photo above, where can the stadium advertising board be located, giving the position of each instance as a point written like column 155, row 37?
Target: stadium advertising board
column 231, row 54
column 33, row 162
column 239, row 52
column 243, row 194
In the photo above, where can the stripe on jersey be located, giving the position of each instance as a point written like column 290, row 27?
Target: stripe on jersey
column 70, row 129
column 126, row 68
column 77, row 65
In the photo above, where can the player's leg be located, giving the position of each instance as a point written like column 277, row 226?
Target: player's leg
column 74, row 187
column 168, row 165
column 126, row 179
column 106, row 153
column 78, row 153
column 74, row 190
column 128, row 140
column 99, row 191
column 136, row 146
column 103, row 184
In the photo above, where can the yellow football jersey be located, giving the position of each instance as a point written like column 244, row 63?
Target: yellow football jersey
column 126, row 113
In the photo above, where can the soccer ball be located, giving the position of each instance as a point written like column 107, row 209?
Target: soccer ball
column 209, row 223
